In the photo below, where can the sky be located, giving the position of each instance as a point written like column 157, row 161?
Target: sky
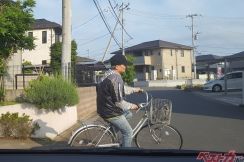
column 219, row 24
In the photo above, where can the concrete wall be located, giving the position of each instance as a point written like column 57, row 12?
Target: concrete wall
column 85, row 109
column 168, row 83
column 14, row 66
column 11, row 95
column 87, row 106
column 51, row 123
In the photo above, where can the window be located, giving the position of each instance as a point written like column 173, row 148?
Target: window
column 30, row 34
column 147, row 69
column 171, row 52
column 159, row 53
column 57, row 38
column 160, row 70
column 44, row 37
column 148, row 53
column 172, row 67
column 44, row 62
column 183, row 69
column 236, row 75
column 182, row 53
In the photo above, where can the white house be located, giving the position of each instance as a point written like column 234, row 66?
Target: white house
column 45, row 33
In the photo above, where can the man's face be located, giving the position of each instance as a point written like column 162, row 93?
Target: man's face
column 121, row 68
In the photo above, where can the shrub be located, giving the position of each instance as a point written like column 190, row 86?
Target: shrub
column 198, row 87
column 27, row 63
column 13, row 125
column 51, row 93
column 185, row 87
column 178, row 86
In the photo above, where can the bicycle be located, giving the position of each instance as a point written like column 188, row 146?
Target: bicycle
column 152, row 131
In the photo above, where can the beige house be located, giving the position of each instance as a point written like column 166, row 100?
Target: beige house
column 161, row 60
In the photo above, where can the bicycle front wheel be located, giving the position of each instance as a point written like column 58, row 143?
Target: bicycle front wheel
column 93, row 136
column 159, row 136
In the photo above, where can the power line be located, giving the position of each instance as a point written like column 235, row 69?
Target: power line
column 105, row 22
column 216, row 47
column 92, row 40
column 105, row 52
column 86, row 22
column 156, row 18
column 117, row 18
column 158, row 15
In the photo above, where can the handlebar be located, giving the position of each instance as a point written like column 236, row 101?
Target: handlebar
column 143, row 105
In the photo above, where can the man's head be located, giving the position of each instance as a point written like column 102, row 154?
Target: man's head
column 119, row 63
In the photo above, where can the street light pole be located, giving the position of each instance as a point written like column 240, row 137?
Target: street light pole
column 242, row 101
column 66, row 39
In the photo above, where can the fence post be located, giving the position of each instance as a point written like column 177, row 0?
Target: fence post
column 23, row 74
column 225, row 78
column 16, row 81
column 242, row 101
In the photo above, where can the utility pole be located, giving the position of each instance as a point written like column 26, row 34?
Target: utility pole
column 193, row 43
column 66, row 39
column 122, row 7
column 88, row 53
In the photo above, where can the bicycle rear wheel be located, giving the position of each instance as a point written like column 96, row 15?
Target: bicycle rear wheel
column 160, row 137
column 93, row 136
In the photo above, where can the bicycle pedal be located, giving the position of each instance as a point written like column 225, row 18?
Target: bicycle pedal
column 166, row 133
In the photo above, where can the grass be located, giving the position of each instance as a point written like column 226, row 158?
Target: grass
column 6, row 103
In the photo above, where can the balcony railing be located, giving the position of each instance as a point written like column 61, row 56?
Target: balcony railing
column 143, row 60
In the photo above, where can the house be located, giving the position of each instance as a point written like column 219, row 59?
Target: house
column 236, row 61
column 209, row 66
column 45, row 33
column 159, row 59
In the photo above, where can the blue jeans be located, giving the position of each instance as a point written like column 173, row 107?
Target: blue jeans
column 120, row 123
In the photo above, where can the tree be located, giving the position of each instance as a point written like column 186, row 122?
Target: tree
column 15, row 19
column 130, row 73
column 56, row 55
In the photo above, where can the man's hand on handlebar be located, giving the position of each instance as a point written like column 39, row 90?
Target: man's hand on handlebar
column 134, row 107
column 138, row 90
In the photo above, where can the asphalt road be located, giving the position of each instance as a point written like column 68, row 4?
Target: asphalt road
column 205, row 124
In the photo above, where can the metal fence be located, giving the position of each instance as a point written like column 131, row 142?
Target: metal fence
column 82, row 74
column 18, row 77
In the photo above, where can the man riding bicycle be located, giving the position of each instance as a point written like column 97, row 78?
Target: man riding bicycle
column 111, row 105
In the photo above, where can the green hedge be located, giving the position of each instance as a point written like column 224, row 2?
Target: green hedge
column 51, row 93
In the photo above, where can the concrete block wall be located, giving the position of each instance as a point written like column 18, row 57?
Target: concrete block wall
column 88, row 104
column 168, row 83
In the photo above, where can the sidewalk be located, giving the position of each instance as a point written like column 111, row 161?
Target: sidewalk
column 234, row 98
column 60, row 142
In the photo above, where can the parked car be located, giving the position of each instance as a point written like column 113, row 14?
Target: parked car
column 234, row 81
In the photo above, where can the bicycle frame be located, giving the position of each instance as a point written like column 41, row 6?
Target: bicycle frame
column 144, row 119
column 140, row 124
